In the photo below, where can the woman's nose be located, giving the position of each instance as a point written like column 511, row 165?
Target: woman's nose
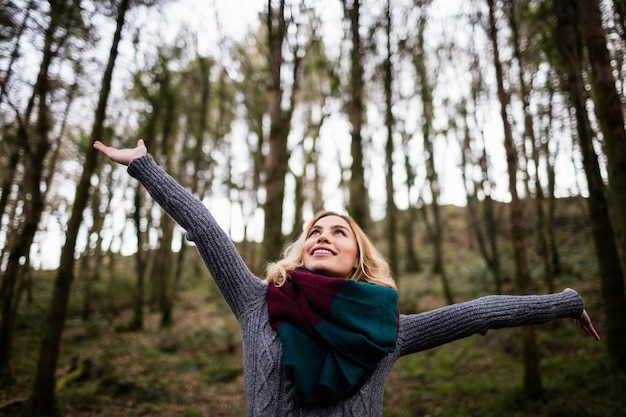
column 322, row 238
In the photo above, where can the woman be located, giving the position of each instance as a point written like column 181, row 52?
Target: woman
column 322, row 332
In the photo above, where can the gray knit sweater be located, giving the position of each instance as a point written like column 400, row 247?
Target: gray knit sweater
column 268, row 392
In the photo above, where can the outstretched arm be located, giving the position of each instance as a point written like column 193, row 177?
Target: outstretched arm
column 239, row 287
column 434, row 328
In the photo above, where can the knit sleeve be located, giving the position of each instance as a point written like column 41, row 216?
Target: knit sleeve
column 236, row 283
column 434, row 328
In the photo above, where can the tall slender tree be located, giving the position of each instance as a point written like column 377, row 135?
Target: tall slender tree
column 13, row 31
column 570, row 17
column 34, row 140
column 277, row 158
column 412, row 260
column 11, row 149
column 358, row 204
column 610, row 110
column 392, row 211
column 474, row 154
column 165, row 260
column 42, row 400
column 426, row 90
column 515, row 15
column 484, row 226
column 254, row 101
column 532, row 378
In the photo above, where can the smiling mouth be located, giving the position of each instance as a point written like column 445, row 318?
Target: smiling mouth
column 323, row 252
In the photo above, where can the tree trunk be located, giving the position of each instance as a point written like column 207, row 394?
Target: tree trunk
column 258, row 257
column 90, row 275
column 551, row 175
column 610, row 114
column 529, row 135
column 165, row 264
column 311, row 159
column 532, row 378
column 136, row 323
column 9, row 177
column 490, row 221
column 392, row 211
column 426, row 90
column 15, row 146
column 484, row 227
column 43, row 399
column 36, row 146
column 484, row 224
column 611, row 272
column 298, row 201
column 277, row 158
column 165, row 261
column 15, row 52
column 413, row 263
column 358, row 205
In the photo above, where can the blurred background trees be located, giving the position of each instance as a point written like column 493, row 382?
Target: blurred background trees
column 386, row 110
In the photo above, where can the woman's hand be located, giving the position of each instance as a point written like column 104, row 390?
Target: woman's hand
column 122, row 156
column 584, row 322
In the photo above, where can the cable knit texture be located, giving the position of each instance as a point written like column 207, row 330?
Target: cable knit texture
column 268, row 392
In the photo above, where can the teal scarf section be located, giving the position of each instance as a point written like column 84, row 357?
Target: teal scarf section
column 333, row 331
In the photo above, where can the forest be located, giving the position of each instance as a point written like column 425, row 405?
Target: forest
column 481, row 145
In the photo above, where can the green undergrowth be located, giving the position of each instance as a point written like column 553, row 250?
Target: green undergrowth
column 194, row 367
column 482, row 376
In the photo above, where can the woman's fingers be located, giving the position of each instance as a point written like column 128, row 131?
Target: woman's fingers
column 122, row 156
column 584, row 322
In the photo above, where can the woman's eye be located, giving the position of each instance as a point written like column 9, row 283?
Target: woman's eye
column 341, row 232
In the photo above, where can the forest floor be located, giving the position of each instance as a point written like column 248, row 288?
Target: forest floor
column 194, row 368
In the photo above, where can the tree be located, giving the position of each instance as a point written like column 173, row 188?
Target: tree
column 251, row 88
column 12, row 32
column 550, row 158
column 277, row 158
column 488, row 240
column 318, row 87
column 532, row 378
column 392, row 211
column 93, row 274
column 209, row 115
column 10, row 146
column 64, row 21
column 570, row 17
column 426, row 91
column 485, row 226
column 43, row 399
column 158, row 86
column 516, row 14
column 413, row 263
column 358, row 205
column 169, row 100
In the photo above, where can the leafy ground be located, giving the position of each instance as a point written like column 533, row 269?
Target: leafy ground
column 194, row 367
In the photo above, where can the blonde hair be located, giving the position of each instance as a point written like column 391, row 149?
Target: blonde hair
column 372, row 266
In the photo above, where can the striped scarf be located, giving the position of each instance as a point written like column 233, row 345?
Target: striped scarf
column 333, row 331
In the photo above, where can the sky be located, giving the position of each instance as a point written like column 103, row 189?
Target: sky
column 213, row 19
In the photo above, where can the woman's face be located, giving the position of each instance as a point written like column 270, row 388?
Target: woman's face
column 330, row 248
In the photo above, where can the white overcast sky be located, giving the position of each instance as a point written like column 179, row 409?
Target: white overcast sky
column 236, row 17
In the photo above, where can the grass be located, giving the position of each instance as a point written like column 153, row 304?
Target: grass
column 483, row 377
column 194, row 368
